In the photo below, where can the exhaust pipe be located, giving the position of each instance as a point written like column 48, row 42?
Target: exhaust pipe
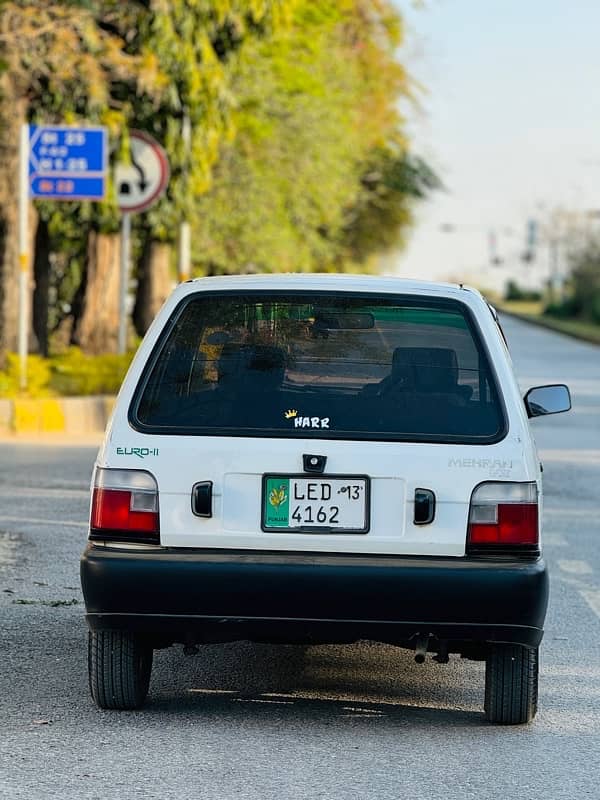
column 421, row 645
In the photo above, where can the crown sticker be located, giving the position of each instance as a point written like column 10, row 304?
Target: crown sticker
column 291, row 413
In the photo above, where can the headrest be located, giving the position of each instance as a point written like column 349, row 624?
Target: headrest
column 247, row 361
column 434, row 366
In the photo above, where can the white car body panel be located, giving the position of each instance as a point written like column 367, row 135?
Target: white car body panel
column 236, row 465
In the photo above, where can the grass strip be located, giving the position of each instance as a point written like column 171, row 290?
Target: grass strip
column 531, row 312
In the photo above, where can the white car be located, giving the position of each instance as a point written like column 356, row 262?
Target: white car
column 320, row 459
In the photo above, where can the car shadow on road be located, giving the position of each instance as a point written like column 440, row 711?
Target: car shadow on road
column 364, row 681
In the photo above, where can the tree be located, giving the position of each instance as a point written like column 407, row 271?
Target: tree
column 585, row 282
column 297, row 159
column 192, row 45
column 57, row 63
column 319, row 175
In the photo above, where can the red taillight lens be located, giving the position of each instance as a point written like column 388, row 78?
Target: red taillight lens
column 124, row 506
column 504, row 518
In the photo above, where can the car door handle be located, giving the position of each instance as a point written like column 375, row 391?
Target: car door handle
column 202, row 499
column 424, row 506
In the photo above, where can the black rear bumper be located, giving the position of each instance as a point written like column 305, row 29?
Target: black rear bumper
column 217, row 596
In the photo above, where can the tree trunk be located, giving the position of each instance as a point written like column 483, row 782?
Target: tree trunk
column 96, row 309
column 41, row 276
column 154, row 283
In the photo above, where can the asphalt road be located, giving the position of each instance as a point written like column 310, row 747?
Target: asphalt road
column 266, row 723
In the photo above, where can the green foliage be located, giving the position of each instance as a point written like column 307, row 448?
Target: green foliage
column 585, row 282
column 38, row 376
column 74, row 373
column 71, row 373
column 516, row 292
column 297, row 158
column 583, row 298
column 318, row 176
column 391, row 180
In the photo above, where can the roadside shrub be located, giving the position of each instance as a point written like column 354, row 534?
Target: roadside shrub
column 515, row 292
column 585, row 281
column 38, row 376
column 563, row 309
column 595, row 307
column 74, row 373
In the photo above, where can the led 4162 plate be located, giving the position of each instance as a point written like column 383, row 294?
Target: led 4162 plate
column 315, row 504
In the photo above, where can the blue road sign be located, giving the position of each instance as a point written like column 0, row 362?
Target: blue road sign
column 67, row 163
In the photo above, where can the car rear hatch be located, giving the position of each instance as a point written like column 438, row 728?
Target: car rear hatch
column 338, row 422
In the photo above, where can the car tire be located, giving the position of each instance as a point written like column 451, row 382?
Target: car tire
column 119, row 667
column 511, row 684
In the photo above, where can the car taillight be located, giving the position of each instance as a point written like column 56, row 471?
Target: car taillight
column 124, row 506
column 503, row 519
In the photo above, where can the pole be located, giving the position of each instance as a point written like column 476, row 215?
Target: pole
column 185, row 238
column 184, row 259
column 124, row 281
column 554, row 271
column 23, row 253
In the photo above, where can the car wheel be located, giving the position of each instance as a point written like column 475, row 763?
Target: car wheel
column 119, row 666
column 511, row 684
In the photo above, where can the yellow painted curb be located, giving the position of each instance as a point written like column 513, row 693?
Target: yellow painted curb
column 59, row 415
column 25, row 416
column 38, row 416
column 52, row 418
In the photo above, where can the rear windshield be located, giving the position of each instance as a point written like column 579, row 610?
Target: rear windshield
column 323, row 366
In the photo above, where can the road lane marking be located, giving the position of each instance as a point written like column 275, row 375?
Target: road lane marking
column 8, row 549
column 592, row 598
column 571, row 456
column 14, row 491
column 590, row 512
column 575, row 567
column 578, row 387
column 35, row 521
column 264, row 702
column 555, row 540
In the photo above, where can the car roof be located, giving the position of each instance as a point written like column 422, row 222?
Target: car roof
column 328, row 281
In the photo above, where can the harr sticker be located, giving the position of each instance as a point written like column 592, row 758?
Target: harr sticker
column 306, row 422
column 140, row 452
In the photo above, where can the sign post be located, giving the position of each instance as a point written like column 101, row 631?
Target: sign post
column 23, row 254
column 139, row 184
column 56, row 162
column 124, row 280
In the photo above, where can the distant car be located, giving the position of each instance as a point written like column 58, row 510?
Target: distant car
column 320, row 459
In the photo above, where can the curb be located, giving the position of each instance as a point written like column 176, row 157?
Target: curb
column 550, row 325
column 74, row 416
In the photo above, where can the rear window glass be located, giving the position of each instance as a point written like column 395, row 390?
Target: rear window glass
column 321, row 366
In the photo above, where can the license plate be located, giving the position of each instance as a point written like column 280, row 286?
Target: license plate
column 310, row 504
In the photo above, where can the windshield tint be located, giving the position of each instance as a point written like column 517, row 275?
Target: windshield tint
column 326, row 366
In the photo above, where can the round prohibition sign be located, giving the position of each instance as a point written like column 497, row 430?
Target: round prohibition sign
column 140, row 183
